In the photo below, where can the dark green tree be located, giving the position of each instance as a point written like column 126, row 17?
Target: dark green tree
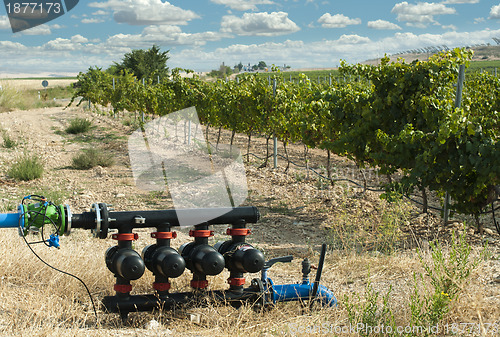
column 262, row 65
column 144, row 63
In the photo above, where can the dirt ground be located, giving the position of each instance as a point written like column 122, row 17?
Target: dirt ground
column 300, row 211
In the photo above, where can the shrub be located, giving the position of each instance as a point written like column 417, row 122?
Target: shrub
column 26, row 168
column 9, row 98
column 8, row 142
column 78, row 125
column 448, row 275
column 90, row 158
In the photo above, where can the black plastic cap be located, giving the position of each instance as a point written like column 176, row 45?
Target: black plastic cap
column 251, row 261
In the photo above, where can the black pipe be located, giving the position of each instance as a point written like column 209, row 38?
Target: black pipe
column 133, row 303
column 147, row 219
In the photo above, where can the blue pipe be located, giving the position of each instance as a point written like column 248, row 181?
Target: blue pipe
column 303, row 291
column 9, row 220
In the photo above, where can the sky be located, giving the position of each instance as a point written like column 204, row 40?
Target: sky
column 200, row 35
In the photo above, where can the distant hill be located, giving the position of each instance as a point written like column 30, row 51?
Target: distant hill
column 481, row 53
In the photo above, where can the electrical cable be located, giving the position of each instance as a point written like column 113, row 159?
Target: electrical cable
column 497, row 225
column 54, row 268
column 371, row 187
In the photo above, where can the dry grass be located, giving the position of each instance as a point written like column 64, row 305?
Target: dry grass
column 37, row 301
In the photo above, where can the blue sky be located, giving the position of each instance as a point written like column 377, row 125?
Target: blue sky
column 202, row 34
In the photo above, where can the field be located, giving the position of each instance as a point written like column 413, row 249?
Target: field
column 372, row 258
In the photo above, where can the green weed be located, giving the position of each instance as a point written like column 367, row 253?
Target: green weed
column 78, row 125
column 8, row 142
column 26, row 168
column 366, row 312
column 90, row 158
column 447, row 275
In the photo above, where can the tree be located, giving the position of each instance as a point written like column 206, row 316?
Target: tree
column 144, row 63
column 223, row 71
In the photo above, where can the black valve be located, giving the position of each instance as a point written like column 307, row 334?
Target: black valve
column 125, row 263
column 241, row 257
column 202, row 259
column 164, row 261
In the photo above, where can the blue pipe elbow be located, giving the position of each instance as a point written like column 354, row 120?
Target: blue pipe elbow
column 326, row 296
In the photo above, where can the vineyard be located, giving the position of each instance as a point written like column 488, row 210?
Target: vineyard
column 396, row 128
column 403, row 119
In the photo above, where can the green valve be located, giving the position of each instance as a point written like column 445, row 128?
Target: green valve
column 40, row 214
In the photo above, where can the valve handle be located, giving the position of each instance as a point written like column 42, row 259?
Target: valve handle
column 318, row 274
column 270, row 263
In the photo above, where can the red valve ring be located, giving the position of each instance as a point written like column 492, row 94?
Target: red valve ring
column 238, row 231
column 164, row 235
column 125, row 236
column 234, row 281
column 122, row 288
column 202, row 284
column 164, row 286
column 201, row 233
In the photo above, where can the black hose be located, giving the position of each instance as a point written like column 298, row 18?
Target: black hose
column 318, row 274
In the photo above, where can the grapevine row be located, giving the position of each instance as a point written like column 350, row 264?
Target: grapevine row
column 401, row 117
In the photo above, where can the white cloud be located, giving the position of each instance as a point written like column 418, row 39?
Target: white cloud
column 11, row 47
column 495, row 12
column 100, row 12
column 79, row 39
column 382, row 24
column 421, row 14
column 38, row 30
column 261, row 24
column 449, row 27
column 160, row 35
column 146, row 12
column 4, row 22
column 242, row 5
column 461, row 1
column 44, row 29
column 60, row 44
column 479, row 20
column 352, row 39
column 93, row 20
column 337, row 21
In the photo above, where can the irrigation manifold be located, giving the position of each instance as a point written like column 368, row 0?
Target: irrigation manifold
column 36, row 213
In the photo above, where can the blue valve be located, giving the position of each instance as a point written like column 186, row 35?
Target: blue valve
column 54, row 241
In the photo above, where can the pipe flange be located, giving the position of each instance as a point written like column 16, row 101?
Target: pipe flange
column 103, row 234
column 67, row 230
column 96, row 209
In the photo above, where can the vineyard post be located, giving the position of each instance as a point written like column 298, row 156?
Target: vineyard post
column 275, row 139
column 458, row 103
column 142, row 112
